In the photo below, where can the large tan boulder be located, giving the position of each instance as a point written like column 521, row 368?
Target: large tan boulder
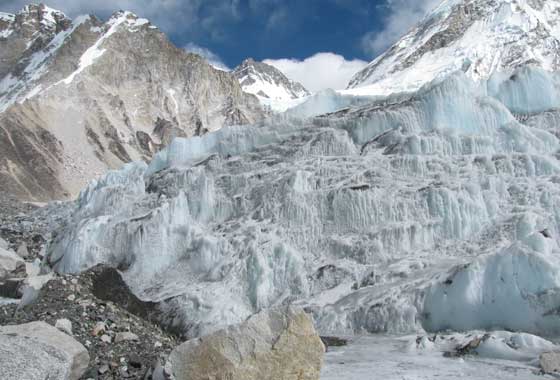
column 279, row 344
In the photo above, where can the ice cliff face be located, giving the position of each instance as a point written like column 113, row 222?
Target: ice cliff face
column 270, row 85
column 79, row 97
column 479, row 37
column 428, row 211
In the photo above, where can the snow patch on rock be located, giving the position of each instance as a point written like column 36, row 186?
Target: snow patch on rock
column 95, row 51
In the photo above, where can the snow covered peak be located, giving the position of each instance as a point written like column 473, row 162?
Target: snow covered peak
column 479, row 37
column 43, row 11
column 128, row 18
column 43, row 17
column 7, row 17
column 267, row 82
column 34, row 23
column 6, row 24
column 122, row 75
column 50, row 15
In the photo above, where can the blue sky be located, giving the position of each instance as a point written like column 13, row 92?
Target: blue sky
column 349, row 33
column 294, row 29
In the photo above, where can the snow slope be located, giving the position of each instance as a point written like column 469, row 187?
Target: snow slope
column 479, row 37
column 409, row 214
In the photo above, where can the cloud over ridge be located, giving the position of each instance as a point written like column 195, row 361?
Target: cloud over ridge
column 320, row 71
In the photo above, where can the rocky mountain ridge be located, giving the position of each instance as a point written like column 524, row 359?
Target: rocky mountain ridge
column 80, row 97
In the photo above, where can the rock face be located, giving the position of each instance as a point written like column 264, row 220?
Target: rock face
column 276, row 344
column 10, row 264
column 37, row 350
column 109, row 85
column 479, row 37
column 108, row 285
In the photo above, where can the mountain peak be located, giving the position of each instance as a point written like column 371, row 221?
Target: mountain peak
column 34, row 21
column 7, row 17
column 248, row 61
column 268, row 83
column 479, row 37
column 42, row 14
column 120, row 77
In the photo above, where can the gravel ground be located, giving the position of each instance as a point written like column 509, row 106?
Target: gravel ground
column 99, row 325
column 106, row 318
column 29, row 224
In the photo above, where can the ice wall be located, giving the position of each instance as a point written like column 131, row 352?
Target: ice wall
column 464, row 117
column 362, row 216
column 327, row 101
column 515, row 288
column 526, row 90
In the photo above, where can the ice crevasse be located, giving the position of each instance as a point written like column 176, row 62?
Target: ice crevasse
column 423, row 211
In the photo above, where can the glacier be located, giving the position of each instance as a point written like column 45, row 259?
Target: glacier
column 418, row 212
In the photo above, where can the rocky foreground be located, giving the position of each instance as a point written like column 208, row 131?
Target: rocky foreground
column 119, row 344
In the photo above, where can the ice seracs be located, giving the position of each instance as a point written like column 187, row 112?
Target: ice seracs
column 365, row 216
column 482, row 294
column 430, row 206
column 430, row 210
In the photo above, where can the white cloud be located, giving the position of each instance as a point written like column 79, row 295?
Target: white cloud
column 76, row 7
column 210, row 56
column 184, row 16
column 320, row 71
column 400, row 17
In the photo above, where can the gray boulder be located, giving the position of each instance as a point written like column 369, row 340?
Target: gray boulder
column 125, row 337
column 4, row 244
column 550, row 362
column 31, row 287
column 10, row 264
column 22, row 251
column 276, row 344
column 64, row 325
column 38, row 350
